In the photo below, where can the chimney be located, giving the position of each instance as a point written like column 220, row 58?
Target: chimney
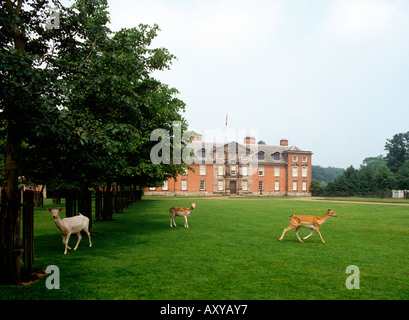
column 284, row 142
column 249, row 140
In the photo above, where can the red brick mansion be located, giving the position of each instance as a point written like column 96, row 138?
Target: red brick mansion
column 242, row 169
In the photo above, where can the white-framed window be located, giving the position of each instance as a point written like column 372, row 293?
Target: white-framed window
column 295, row 171
column 220, row 185
column 295, row 158
column 152, row 188
column 202, row 169
column 202, row 185
column 295, row 185
column 276, row 185
column 304, row 172
column 244, row 185
column 304, row 186
column 261, row 171
column 244, row 171
column 220, row 170
column 276, row 171
column 184, row 185
column 165, row 186
column 233, row 171
column 260, row 185
column 304, row 159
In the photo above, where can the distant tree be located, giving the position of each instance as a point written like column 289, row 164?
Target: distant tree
column 398, row 151
column 374, row 162
column 402, row 176
column 315, row 188
column 325, row 175
column 384, row 178
column 261, row 142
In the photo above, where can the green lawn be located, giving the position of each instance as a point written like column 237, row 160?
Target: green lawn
column 229, row 252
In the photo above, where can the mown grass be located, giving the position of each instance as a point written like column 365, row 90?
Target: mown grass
column 230, row 251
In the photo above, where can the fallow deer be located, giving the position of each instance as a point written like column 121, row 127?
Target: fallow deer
column 312, row 222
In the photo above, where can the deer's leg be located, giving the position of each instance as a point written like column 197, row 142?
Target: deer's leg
column 67, row 238
column 318, row 231
column 173, row 220
column 78, row 241
column 285, row 230
column 296, row 233
column 64, row 237
column 186, row 225
column 89, row 236
column 308, row 235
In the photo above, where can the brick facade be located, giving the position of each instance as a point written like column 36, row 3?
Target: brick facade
column 242, row 169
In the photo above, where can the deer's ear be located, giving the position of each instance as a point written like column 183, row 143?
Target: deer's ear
column 60, row 209
column 50, row 209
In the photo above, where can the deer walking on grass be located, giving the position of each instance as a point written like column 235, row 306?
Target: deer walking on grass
column 182, row 212
column 311, row 222
column 69, row 226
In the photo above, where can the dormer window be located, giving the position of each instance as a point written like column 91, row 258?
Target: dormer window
column 276, row 156
column 261, row 155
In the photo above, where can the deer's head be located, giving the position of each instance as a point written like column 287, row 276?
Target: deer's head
column 193, row 204
column 55, row 211
column 331, row 213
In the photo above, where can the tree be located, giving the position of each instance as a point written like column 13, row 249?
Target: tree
column 398, row 151
column 315, row 188
column 374, row 162
column 77, row 105
column 25, row 95
column 384, row 178
column 402, row 176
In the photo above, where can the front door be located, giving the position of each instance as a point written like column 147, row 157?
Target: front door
column 233, row 187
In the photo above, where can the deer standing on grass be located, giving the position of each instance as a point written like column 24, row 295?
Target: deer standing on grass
column 311, row 222
column 72, row 225
column 182, row 212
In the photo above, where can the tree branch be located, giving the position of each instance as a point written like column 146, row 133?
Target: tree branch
column 89, row 55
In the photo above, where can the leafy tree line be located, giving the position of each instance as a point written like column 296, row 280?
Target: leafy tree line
column 377, row 176
column 78, row 102
column 325, row 175
column 77, row 105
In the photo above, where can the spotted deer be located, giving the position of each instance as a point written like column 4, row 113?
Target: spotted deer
column 182, row 212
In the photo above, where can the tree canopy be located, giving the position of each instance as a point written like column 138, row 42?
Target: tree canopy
column 78, row 102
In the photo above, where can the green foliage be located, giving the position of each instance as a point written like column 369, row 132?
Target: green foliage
column 402, row 176
column 398, row 151
column 82, row 97
column 325, row 175
column 315, row 188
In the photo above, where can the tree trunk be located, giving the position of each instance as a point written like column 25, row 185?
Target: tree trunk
column 10, row 216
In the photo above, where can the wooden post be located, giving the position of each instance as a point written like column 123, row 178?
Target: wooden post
column 10, row 246
column 28, row 230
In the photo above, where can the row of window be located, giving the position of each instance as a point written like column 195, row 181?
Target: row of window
column 243, row 171
column 244, row 185
column 260, row 155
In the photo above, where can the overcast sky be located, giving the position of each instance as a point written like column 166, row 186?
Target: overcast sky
column 331, row 76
